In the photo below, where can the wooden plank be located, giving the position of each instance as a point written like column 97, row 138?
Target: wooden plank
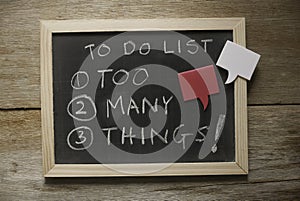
column 240, row 106
column 67, row 26
column 175, row 169
column 274, row 165
column 47, row 99
column 136, row 189
column 276, row 79
column 271, row 27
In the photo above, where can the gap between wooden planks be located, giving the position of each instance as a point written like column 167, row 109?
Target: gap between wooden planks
column 273, row 158
column 273, row 139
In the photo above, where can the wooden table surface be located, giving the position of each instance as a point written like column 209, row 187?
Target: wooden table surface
column 272, row 29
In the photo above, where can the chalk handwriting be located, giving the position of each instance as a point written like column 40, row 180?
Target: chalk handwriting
column 220, row 126
column 205, row 41
column 214, row 148
column 80, row 111
column 82, row 107
column 85, row 136
column 118, row 103
column 201, row 133
column 81, row 137
column 128, row 134
column 129, row 47
column 83, row 101
column 80, row 80
column 108, row 133
column 138, row 71
column 147, row 48
column 125, row 74
column 103, row 50
column 192, row 43
column 184, row 135
column 124, row 77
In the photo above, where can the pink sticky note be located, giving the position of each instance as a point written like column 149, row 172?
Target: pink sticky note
column 198, row 83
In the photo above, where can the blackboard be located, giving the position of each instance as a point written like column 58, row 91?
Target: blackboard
column 118, row 99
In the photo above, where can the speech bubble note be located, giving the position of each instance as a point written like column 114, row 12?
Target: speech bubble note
column 238, row 61
column 198, row 83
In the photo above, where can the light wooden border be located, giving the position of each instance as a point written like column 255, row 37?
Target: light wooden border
column 237, row 25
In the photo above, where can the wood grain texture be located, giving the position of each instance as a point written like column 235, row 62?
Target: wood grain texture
column 240, row 106
column 274, row 166
column 47, row 99
column 272, row 29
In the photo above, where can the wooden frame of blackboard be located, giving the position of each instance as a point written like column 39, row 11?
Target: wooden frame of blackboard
column 48, row 27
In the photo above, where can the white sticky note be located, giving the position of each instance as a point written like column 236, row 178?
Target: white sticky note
column 237, row 60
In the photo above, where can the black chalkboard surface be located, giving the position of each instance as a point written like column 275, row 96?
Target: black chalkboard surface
column 141, row 97
column 69, row 54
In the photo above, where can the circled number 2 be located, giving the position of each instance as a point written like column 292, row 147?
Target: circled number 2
column 82, row 108
column 80, row 111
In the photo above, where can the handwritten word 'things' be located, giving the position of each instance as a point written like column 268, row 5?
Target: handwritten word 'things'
column 140, row 136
